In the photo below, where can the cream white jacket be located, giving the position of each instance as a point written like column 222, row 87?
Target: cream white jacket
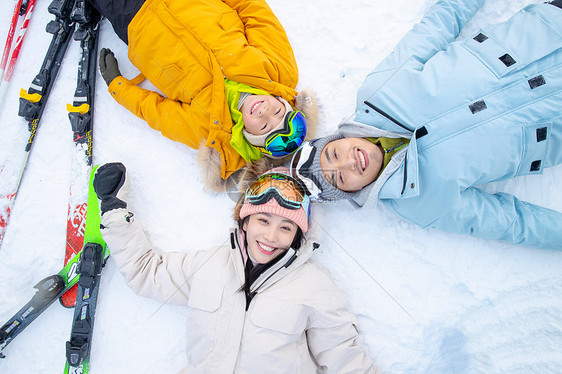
column 297, row 322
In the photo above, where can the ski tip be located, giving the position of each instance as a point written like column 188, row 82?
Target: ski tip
column 68, row 299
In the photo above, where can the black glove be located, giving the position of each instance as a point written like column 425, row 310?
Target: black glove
column 111, row 186
column 108, row 65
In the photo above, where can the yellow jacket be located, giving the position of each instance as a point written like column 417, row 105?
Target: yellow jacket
column 186, row 49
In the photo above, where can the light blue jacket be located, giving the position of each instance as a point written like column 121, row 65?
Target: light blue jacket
column 479, row 110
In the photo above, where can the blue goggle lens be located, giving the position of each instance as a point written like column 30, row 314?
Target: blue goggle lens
column 288, row 139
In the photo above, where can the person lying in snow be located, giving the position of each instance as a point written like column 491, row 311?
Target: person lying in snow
column 227, row 72
column 257, row 305
column 439, row 117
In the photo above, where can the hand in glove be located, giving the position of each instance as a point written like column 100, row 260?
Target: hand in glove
column 112, row 186
column 108, row 65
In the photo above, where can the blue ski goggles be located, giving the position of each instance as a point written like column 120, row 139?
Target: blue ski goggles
column 288, row 139
column 286, row 190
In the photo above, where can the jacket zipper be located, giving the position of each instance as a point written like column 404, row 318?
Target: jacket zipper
column 405, row 174
column 391, row 149
column 254, row 292
column 385, row 115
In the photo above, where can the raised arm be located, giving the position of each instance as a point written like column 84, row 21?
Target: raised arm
column 265, row 36
column 164, row 277
column 160, row 276
column 175, row 119
column 441, row 25
column 182, row 122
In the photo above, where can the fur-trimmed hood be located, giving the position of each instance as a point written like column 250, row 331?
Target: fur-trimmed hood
column 306, row 102
column 209, row 160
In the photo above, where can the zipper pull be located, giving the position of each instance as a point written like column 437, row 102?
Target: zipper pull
column 393, row 148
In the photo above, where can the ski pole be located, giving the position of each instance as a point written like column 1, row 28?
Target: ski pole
column 10, row 38
column 7, row 75
column 32, row 102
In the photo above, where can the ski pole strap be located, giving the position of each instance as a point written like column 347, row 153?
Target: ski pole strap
column 33, row 98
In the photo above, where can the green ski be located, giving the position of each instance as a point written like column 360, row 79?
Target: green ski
column 93, row 257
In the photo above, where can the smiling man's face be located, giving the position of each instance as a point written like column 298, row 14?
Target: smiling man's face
column 350, row 164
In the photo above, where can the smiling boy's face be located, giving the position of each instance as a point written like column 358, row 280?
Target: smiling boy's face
column 262, row 113
column 350, row 164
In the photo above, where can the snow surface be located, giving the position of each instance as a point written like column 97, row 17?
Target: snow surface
column 426, row 301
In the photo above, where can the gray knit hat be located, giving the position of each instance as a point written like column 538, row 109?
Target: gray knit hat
column 305, row 166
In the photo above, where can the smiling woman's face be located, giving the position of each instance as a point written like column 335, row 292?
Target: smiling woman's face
column 350, row 164
column 261, row 113
column 268, row 236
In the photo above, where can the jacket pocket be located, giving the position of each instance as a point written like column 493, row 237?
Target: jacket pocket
column 170, row 74
column 536, row 139
column 277, row 315
column 505, row 48
column 205, row 295
column 202, row 333
column 230, row 20
column 493, row 55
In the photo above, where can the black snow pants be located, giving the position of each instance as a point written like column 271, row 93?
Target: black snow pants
column 119, row 13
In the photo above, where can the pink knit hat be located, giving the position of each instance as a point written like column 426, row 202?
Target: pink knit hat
column 298, row 216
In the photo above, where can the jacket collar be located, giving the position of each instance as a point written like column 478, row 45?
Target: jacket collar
column 237, row 253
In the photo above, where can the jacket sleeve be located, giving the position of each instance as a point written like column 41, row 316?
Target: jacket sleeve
column 164, row 277
column 174, row 119
column 503, row 217
column 440, row 26
column 332, row 333
column 265, row 34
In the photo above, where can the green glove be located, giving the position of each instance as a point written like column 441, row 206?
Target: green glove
column 108, row 66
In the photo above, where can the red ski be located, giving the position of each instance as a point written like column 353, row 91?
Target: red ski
column 10, row 183
column 81, row 119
